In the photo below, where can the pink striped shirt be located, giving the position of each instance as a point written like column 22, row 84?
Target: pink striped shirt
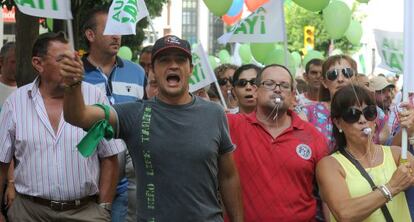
column 48, row 165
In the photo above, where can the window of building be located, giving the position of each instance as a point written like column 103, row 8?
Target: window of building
column 216, row 29
column 190, row 20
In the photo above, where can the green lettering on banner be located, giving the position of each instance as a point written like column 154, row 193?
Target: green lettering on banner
column 252, row 24
column 118, row 6
column 55, row 5
column 24, row 2
column 130, row 11
column 198, row 73
column 395, row 61
column 263, row 25
column 242, row 28
column 41, row 4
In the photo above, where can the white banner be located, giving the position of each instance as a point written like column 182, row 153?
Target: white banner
column 58, row 9
column 263, row 25
column 203, row 74
column 390, row 48
column 124, row 15
column 408, row 76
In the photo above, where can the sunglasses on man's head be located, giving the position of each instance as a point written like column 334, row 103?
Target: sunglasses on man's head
column 333, row 74
column 224, row 81
column 243, row 82
column 352, row 114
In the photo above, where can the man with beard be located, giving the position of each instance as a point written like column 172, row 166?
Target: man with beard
column 384, row 92
column 52, row 180
column 121, row 80
column 179, row 143
column 276, row 153
column 244, row 87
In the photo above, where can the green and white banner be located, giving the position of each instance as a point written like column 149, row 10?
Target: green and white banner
column 124, row 15
column 391, row 50
column 263, row 25
column 58, row 9
column 203, row 74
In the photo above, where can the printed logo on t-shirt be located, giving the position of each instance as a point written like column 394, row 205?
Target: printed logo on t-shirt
column 304, row 151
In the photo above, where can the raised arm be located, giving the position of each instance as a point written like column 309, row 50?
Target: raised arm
column 74, row 109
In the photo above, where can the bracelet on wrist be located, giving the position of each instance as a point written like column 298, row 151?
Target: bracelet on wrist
column 385, row 191
column 10, row 181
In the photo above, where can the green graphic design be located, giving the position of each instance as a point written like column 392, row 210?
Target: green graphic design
column 37, row 4
column 125, row 12
column 198, row 73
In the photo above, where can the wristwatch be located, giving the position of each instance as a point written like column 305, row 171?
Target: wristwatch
column 106, row 206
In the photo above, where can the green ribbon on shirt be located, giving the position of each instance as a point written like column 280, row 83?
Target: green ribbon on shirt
column 96, row 133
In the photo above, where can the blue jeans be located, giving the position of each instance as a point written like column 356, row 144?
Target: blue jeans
column 120, row 207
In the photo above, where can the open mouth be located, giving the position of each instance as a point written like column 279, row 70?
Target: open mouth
column 249, row 97
column 173, row 79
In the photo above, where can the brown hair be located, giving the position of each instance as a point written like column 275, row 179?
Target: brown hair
column 324, row 94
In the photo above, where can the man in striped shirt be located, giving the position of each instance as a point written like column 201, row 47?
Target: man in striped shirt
column 53, row 181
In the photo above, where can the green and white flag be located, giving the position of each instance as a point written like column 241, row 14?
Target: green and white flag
column 263, row 25
column 58, row 9
column 390, row 48
column 203, row 74
column 124, row 15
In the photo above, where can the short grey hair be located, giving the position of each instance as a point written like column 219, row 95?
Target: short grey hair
column 6, row 48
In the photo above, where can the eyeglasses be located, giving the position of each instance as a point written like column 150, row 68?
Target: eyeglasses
column 352, row 115
column 332, row 75
column 271, row 85
column 243, row 82
column 224, row 81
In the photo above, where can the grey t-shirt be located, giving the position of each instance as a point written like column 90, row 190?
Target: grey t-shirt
column 175, row 151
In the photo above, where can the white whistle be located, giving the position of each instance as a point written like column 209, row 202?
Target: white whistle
column 367, row 131
column 278, row 100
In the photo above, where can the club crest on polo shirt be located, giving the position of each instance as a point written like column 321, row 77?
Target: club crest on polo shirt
column 172, row 40
column 304, row 151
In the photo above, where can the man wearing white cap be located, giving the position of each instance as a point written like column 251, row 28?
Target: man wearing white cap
column 384, row 92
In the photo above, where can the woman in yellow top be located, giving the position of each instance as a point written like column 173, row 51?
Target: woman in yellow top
column 347, row 193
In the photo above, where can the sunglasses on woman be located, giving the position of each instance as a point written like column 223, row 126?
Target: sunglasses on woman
column 352, row 114
column 243, row 82
column 224, row 81
column 333, row 74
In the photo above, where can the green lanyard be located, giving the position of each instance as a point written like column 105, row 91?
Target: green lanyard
column 96, row 133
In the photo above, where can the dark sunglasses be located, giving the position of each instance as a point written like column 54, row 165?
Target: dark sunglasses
column 243, row 82
column 352, row 115
column 224, row 81
column 332, row 75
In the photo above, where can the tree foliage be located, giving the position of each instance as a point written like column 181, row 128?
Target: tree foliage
column 297, row 17
column 27, row 30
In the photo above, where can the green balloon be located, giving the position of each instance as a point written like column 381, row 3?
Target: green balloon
column 312, row 5
column 277, row 56
column 218, row 7
column 125, row 53
column 224, row 56
column 245, row 53
column 312, row 54
column 213, row 61
column 363, row 1
column 260, row 51
column 336, row 19
column 297, row 58
column 354, row 32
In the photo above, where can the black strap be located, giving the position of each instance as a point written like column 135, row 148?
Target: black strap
column 364, row 173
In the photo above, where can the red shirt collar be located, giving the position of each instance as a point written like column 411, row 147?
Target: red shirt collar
column 297, row 122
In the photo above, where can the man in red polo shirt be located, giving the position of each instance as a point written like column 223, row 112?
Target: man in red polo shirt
column 276, row 153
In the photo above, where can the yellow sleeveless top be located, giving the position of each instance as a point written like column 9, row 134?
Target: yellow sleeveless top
column 381, row 174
